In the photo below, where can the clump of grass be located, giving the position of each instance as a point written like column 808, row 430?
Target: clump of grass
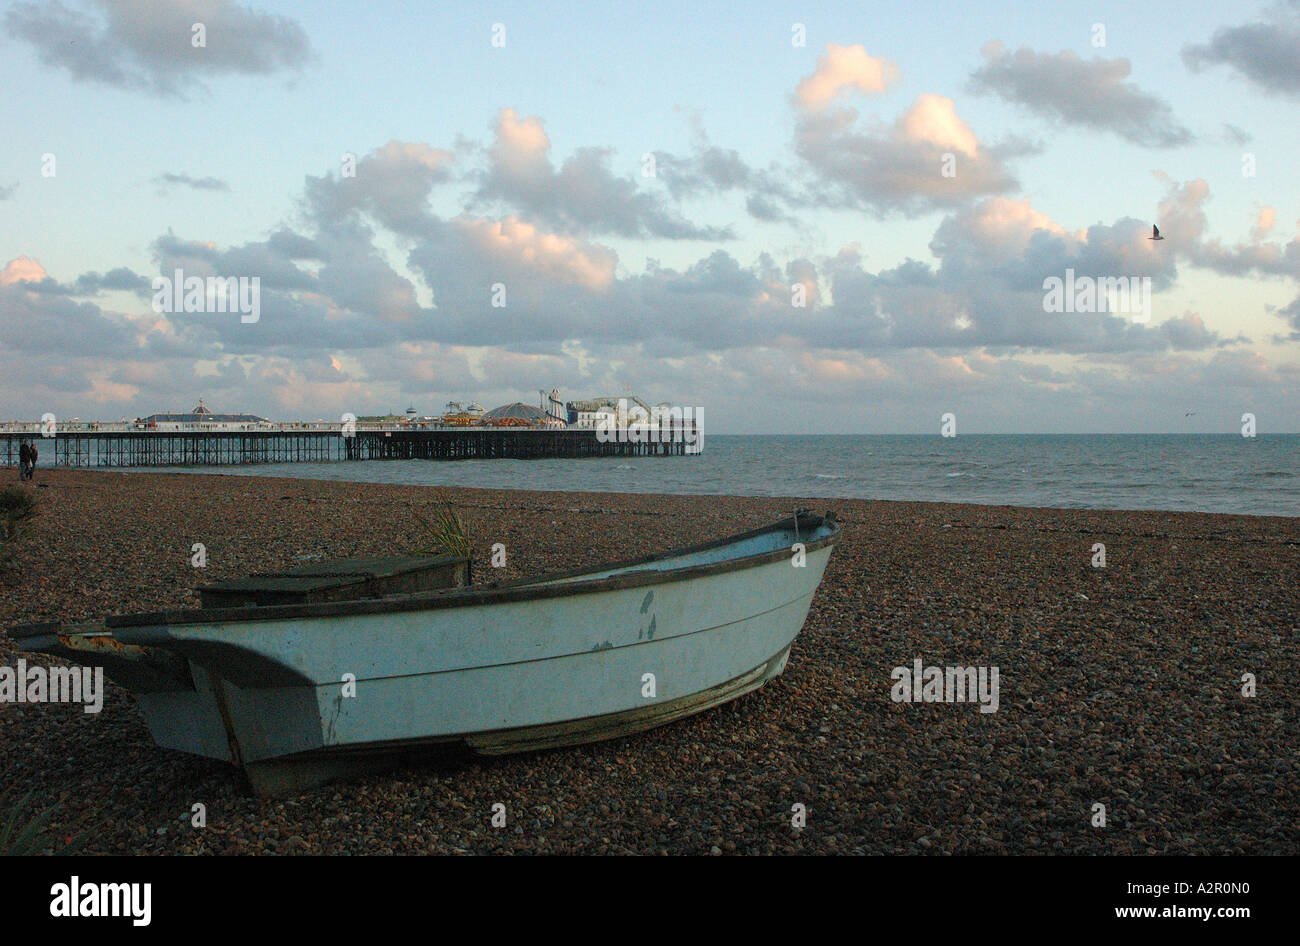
column 447, row 533
column 17, row 506
column 25, row 841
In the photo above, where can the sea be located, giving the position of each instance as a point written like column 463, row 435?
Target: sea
column 1224, row 473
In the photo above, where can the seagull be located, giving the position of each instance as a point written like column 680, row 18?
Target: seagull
column 1155, row 234
column 1190, row 414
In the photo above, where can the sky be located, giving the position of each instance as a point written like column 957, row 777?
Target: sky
column 829, row 218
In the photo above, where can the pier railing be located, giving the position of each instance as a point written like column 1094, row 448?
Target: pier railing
column 103, row 446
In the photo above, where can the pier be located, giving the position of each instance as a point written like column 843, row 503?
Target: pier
column 101, row 447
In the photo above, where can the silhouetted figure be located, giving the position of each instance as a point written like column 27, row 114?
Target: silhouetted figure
column 24, row 459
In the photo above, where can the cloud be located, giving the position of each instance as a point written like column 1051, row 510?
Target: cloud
column 49, row 324
column 1188, row 332
column 346, row 320
column 150, row 46
column 33, row 277
column 1263, row 224
column 930, row 159
column 1183, row 224
column 332, row 289
column 518, row 245
column 354, row 299
column 553, row 286
column 710, row 169
column 1291, row 313
column 329, row 292
column 1065, row 88
column 933, row 120
column 766, row 210
column 1234, row 135
column 197, row 183
column 841, row 68
column 987, row 291
column 1266, row 53
column 392, row 184
column 328, row 287
column 582, row 195
column 22, row 269
column 120, row 279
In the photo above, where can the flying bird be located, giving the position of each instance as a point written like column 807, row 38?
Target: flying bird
column 1155, row 234
column 1190, row 414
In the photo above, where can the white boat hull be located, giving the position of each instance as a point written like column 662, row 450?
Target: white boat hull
column 557, row 662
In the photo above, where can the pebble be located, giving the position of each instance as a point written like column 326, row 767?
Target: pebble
column 1133, row 702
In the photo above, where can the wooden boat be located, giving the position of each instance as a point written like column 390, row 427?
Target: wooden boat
column 297, row 694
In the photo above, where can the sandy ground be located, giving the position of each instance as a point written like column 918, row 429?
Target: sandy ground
column 1118, row 685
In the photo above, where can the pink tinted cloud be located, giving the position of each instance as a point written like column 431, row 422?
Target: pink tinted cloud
column 522, row 244
column 21, row 269
column 841, row 68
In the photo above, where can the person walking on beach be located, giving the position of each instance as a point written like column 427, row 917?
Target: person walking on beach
column 31, row 460
column 24, row 458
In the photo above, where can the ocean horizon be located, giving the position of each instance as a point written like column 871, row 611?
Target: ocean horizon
column 1217, row 473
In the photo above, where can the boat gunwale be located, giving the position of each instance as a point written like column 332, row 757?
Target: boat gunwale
column 523, row 589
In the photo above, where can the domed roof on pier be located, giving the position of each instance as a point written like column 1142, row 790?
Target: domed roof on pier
column 517, row 411
column 202, row 415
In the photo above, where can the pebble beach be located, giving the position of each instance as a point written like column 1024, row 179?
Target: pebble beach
column 1119, row 686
